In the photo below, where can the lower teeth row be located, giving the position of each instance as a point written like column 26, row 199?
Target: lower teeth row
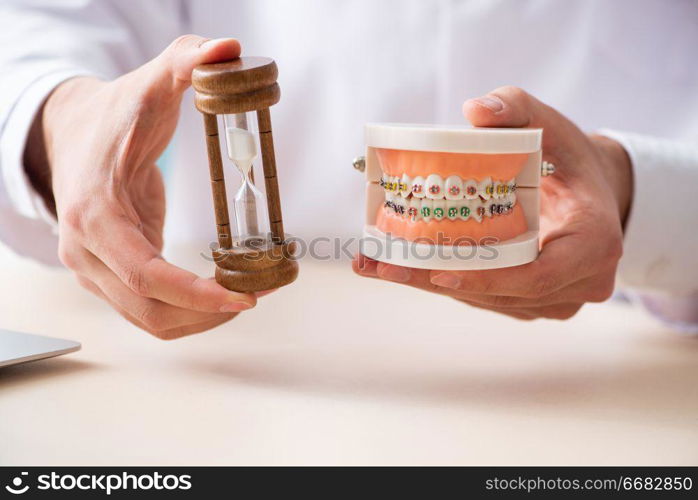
column 426, row 209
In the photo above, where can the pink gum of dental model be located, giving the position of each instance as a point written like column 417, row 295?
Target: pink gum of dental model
column 467, row 166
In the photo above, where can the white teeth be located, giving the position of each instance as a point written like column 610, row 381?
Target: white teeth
column 414, row 209
column 452, row 199
column 488, row 207
column 395, row 184
column 439, row 210
column 452, row 207
column 465, row 210
column 435, row 187
column 418, row 190
column 477, row 210
column 498, row 190
column 484, row 188
column 470, row 189
column 426, row 209
column 400, row 205
column 405, row 185
column 454, row 188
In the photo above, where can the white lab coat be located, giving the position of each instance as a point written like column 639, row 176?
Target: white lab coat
column 623, row 65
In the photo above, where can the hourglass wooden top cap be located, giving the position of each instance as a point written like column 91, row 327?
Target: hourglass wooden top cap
column 237, row 86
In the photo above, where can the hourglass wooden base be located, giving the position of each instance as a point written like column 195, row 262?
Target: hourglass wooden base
column 259, row 266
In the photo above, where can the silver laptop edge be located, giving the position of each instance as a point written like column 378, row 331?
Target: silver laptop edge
column 16, row 347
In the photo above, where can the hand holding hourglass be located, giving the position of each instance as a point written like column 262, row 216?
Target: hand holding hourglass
column 110, row 223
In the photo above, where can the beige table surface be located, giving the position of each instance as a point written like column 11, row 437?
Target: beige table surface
column 342, row 370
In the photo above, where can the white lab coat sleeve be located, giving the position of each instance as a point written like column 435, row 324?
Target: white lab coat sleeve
column 660, row 246
column 45, row 42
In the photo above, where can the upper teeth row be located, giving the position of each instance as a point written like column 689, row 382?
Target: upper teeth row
column 453, row 188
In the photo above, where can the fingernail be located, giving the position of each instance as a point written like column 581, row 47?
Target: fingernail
column 364, row 265
column 493, row 103
column 446, row 280
column 235, row 307
column 214, row 41
column 396, row 273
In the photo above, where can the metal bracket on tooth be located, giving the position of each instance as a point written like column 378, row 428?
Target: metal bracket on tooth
column 359, row 163
column 546, row 169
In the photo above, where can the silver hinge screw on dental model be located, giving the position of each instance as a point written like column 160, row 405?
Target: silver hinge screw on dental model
column 359, row 163
column 546, row 169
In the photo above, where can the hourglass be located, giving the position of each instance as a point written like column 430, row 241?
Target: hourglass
column 252, row 254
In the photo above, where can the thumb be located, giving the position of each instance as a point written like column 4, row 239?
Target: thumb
column 173, row 67
column 512, row 107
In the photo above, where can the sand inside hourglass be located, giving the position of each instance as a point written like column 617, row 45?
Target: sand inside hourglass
column 249, row 203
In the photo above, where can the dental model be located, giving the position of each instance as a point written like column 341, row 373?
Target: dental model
column 452, row 197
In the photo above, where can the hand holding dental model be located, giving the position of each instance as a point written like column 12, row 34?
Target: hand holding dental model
column 583, row 208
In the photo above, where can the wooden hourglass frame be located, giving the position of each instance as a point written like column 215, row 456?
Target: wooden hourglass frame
column 231, row 88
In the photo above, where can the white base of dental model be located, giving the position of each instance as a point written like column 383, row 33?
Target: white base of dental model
column 487, row 254
column 377, row 245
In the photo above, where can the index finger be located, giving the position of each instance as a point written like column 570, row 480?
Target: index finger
column 140, row 267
